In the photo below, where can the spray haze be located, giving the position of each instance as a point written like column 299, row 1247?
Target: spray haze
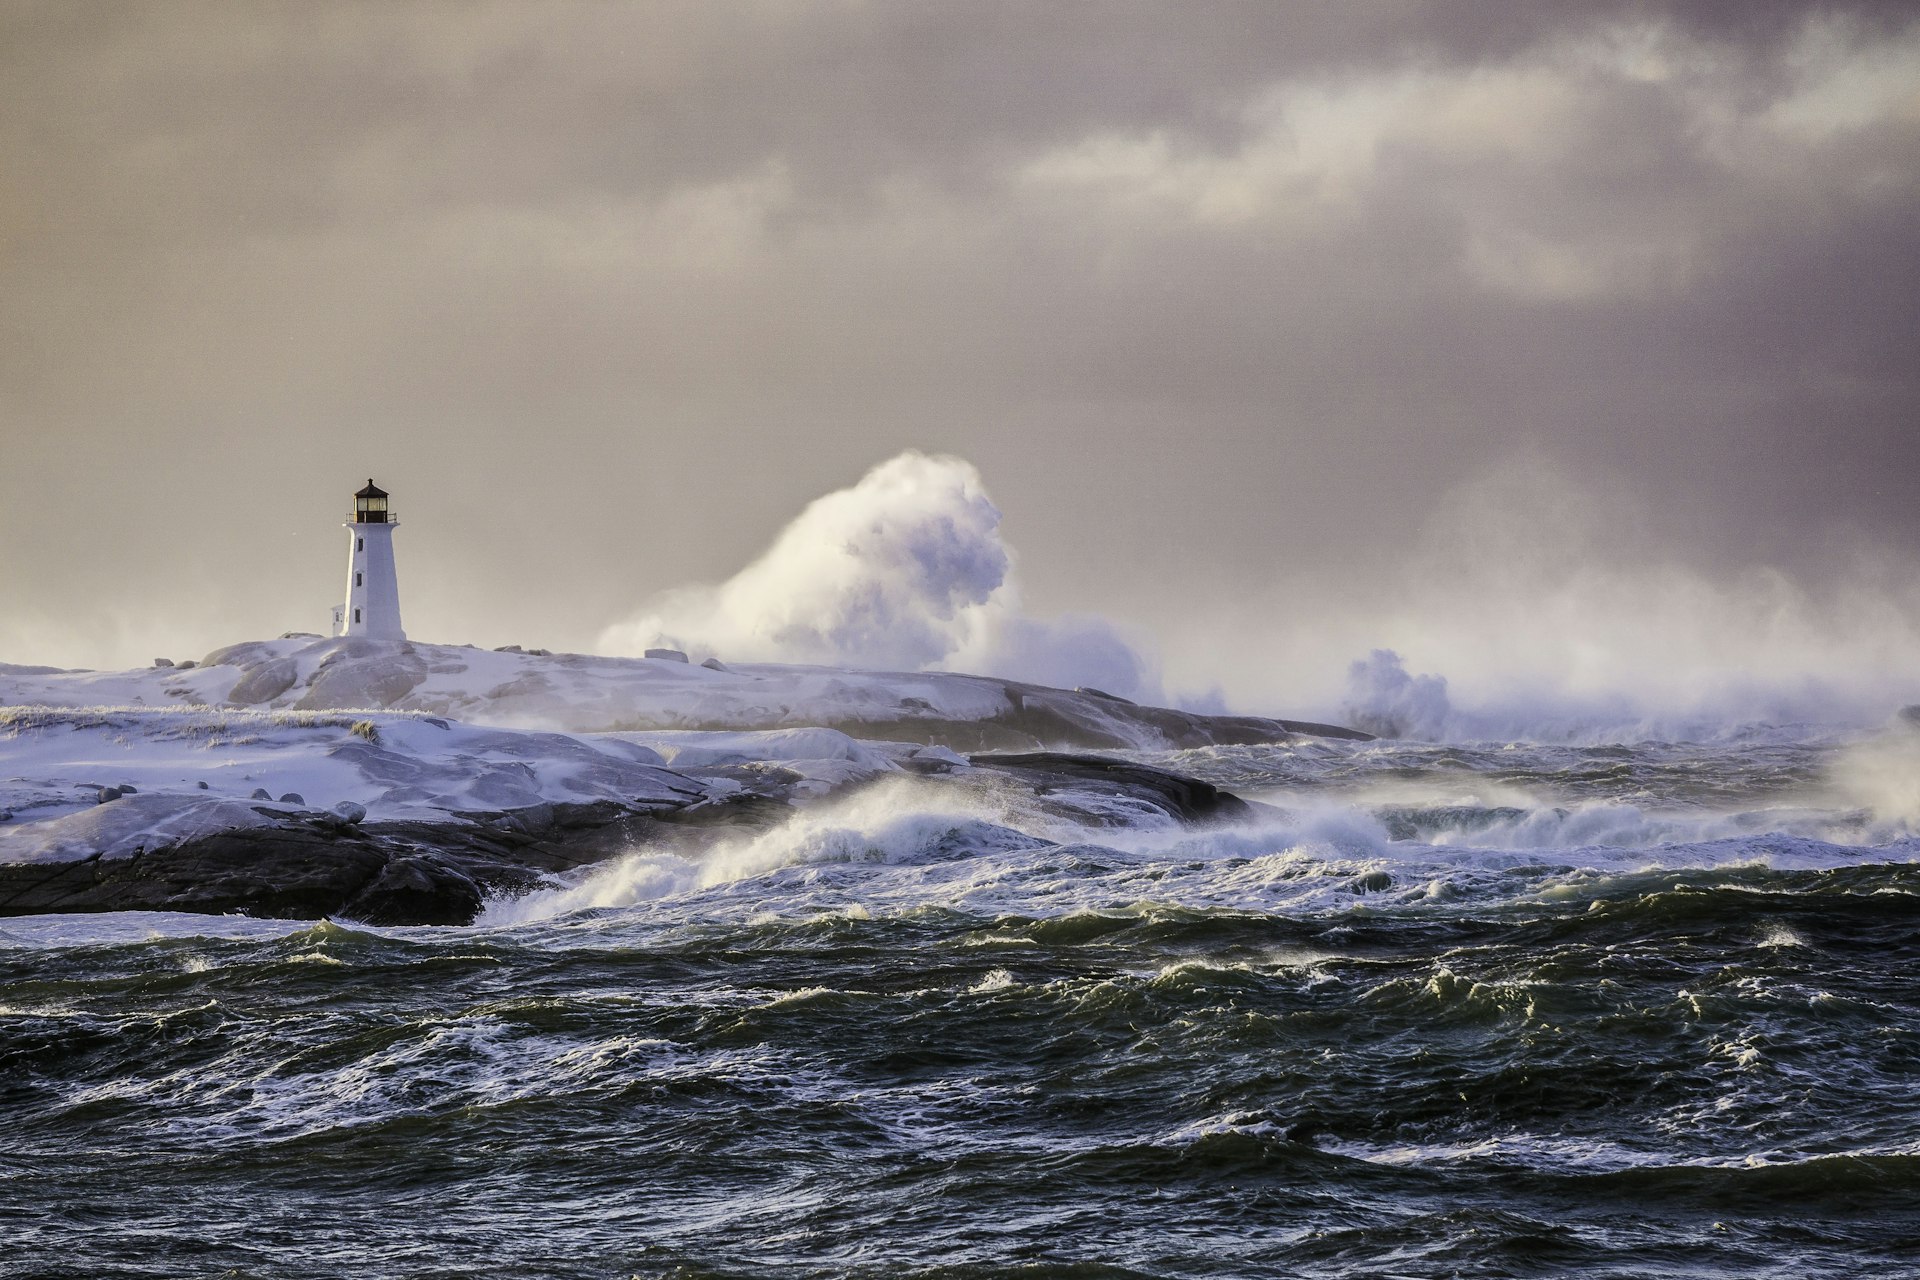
column 1243, row 310
column 1534, row 602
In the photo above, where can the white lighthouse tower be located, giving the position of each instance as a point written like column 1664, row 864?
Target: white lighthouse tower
column 373, row 593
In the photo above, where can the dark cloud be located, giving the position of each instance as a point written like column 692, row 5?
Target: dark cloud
column 605, row 293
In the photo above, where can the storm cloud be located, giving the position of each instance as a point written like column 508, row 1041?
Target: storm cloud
column 1224, row 301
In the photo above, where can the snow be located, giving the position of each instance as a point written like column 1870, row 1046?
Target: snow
column 435, row 732
column 120, row 827
column 55, row 763
column 576, row 692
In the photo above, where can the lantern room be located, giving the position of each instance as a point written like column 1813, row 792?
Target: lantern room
column 370, row 505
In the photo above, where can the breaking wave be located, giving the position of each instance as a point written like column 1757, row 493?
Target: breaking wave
column 1436, row 1009
column 1402, row 823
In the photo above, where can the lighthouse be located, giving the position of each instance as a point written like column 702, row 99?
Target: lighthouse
column 373, row 593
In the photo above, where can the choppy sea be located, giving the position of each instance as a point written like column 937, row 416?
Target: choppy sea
column 1638, row 1009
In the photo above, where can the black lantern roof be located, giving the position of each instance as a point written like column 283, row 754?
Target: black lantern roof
column 371, row 491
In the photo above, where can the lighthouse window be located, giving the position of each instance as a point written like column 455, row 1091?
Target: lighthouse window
column 356, row 615
column 356, row 578
column 359, row 544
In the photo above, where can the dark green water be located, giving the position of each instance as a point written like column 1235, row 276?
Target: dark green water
column 1421, row 1023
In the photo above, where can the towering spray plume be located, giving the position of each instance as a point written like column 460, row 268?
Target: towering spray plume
column 1384, row 699
column 905, row 570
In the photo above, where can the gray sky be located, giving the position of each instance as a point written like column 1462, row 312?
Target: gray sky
column 1214, row 295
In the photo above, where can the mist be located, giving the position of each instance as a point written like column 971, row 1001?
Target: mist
column 1529, row 604
column 1566, row 355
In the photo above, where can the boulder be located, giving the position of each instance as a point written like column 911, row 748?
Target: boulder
column 666, row 655
column 293, row 797
column 261, row 793
column 350, row 813
column 363, row 673
column 263, row 681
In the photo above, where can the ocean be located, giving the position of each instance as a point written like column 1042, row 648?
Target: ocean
column 1499, row 1009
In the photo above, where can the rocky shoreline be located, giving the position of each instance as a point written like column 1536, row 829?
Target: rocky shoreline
column 418, row 782
column 315, row 865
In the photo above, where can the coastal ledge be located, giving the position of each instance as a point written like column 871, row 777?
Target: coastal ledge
column 401, row 783
column 441, row 867
column 586, row 693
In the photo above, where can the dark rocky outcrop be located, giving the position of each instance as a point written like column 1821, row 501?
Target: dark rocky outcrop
column 1037, row 718
column 308, row 867
column 1188, row 800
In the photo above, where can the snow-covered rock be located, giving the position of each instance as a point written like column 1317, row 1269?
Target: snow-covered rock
column 410, row 818
column 581, row 693
column 185, row 772
column 192, row 771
